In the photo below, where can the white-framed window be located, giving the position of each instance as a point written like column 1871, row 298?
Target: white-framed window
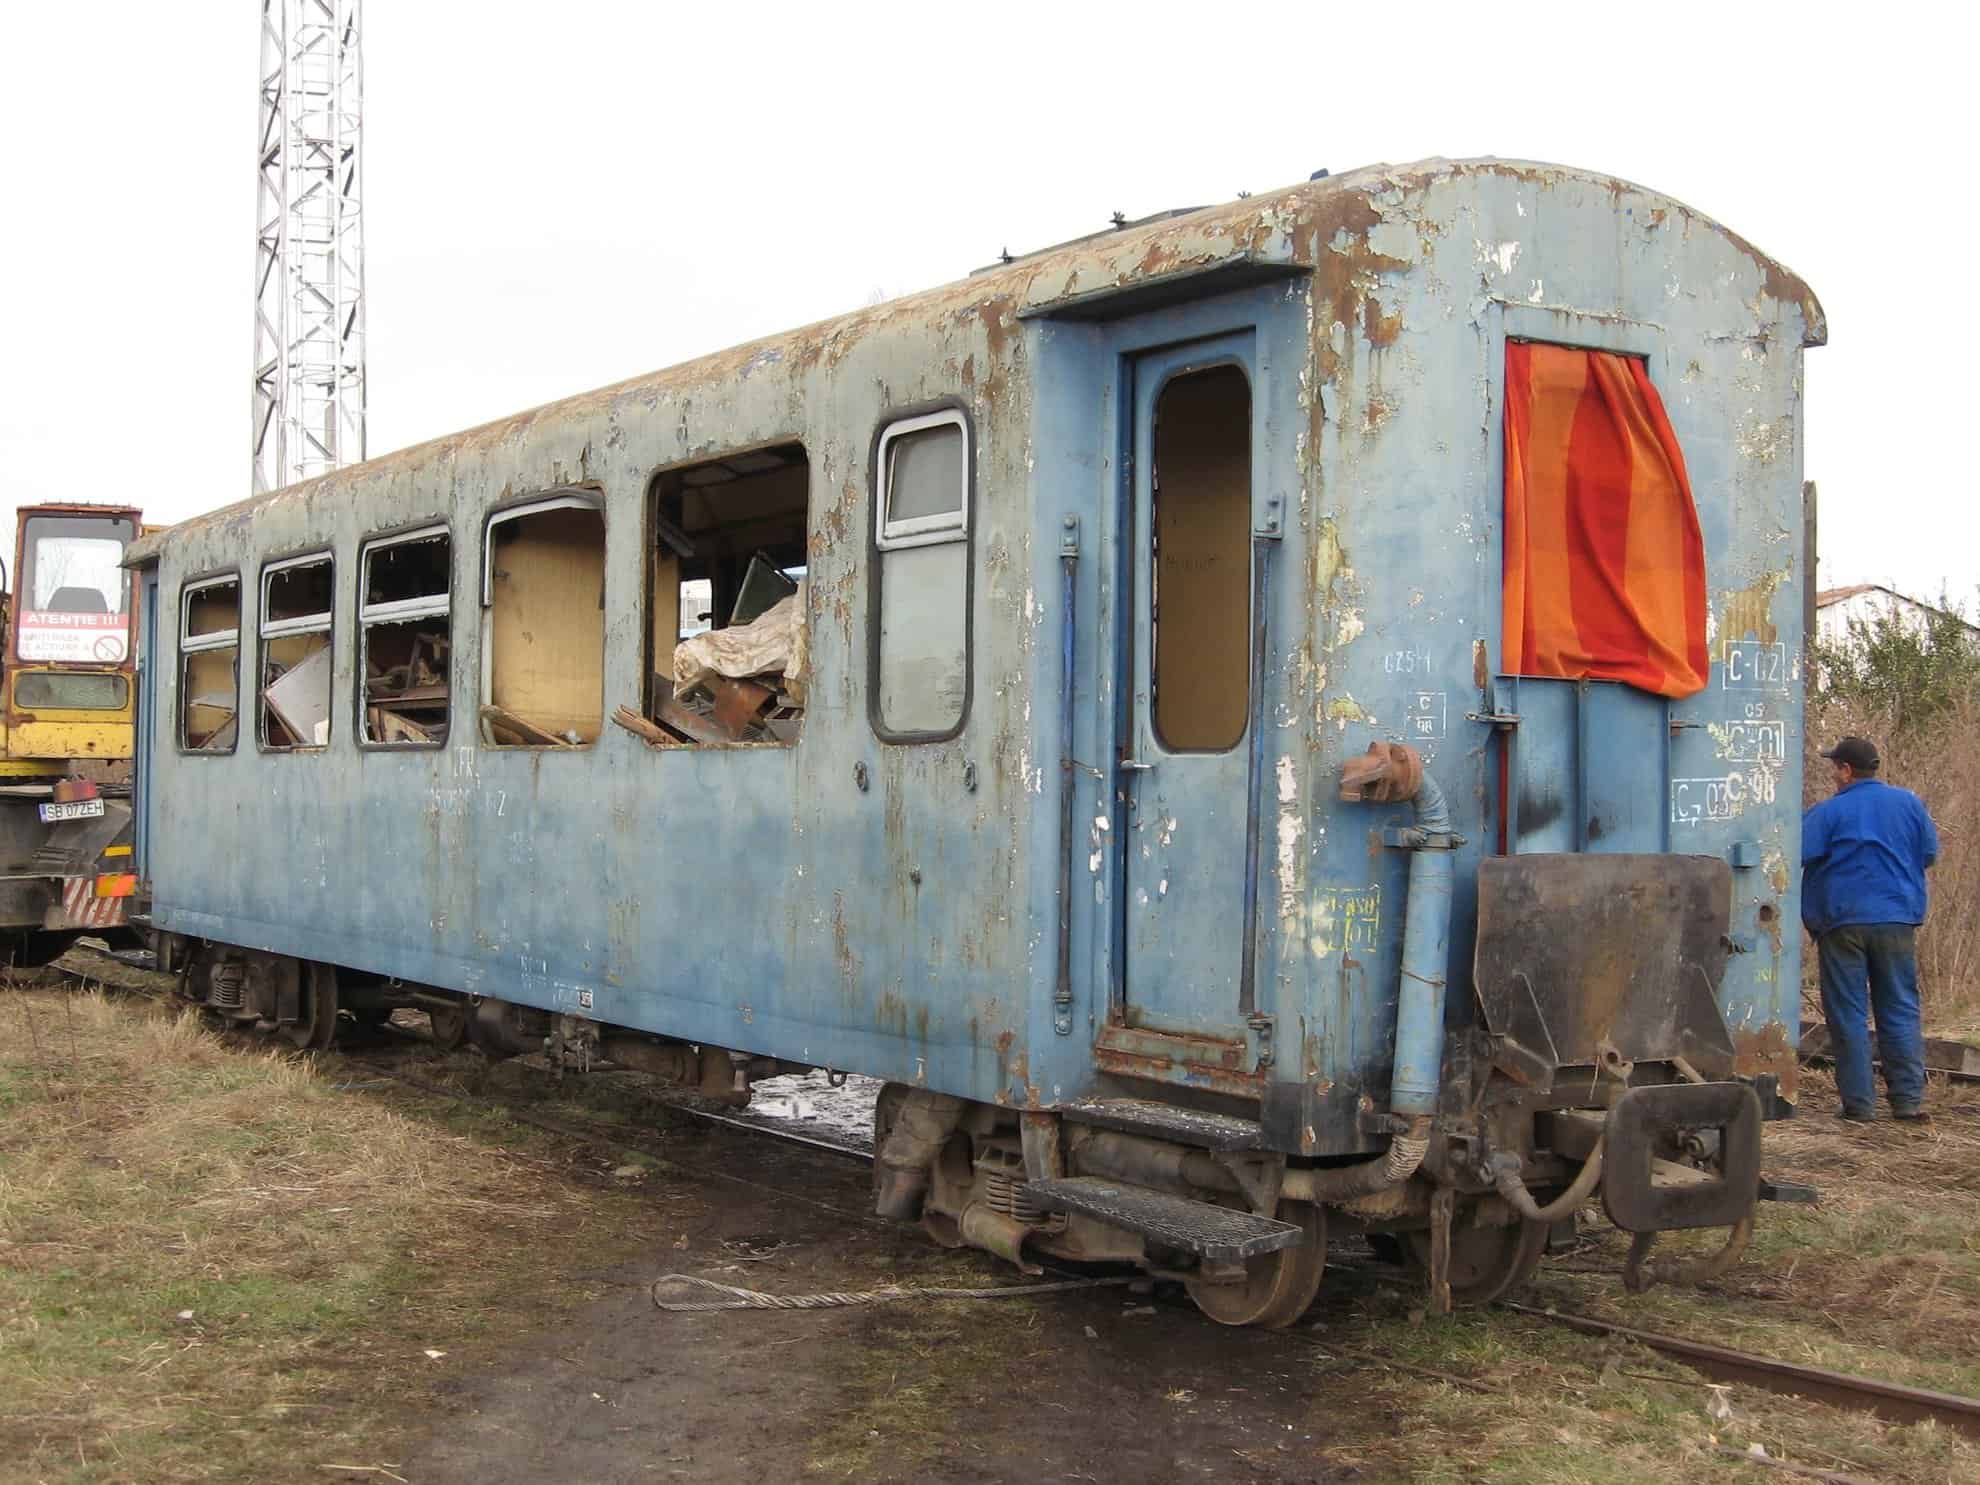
column 924, row 481
column 921, row 532
column 209, row 655
column 405, row 637
column 293, row 708
column 543, row 623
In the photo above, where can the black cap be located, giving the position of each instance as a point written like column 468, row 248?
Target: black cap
column 1858, row 752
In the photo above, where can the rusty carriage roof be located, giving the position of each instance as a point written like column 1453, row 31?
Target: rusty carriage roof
column 1321, row 225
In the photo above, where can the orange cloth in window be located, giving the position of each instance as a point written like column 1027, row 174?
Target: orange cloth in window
column 1604, row 563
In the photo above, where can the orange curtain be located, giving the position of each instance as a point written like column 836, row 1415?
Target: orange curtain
column 1604, row 564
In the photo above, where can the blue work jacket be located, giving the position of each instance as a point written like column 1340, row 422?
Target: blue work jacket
column 1863, row 857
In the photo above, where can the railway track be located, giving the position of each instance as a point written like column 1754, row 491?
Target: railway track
column 1888, row 1400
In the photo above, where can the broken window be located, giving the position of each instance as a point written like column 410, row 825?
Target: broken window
column 726, row 653
column 1201, row 670
column 405, row 638
column 295, row 653
column 922, row 525
column 209, row 647
column 543, row 587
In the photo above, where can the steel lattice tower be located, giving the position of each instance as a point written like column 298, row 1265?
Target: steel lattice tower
column 309, row 243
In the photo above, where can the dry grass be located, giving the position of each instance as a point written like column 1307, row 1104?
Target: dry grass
column 1937, row 761
column 1881, row 1279
column 320, row 1242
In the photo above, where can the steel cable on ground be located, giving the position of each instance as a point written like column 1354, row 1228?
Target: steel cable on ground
column 737, row 1298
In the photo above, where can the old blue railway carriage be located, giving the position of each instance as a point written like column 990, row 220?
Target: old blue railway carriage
column 977, row 691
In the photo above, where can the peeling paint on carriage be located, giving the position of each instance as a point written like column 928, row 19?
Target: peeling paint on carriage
column 904, row 928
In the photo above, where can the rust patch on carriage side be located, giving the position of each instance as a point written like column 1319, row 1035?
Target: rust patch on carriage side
column 1748, row 613
column 1378, row 328
column 1764, row 1050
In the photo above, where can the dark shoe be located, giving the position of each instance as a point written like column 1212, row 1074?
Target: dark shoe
column 1856, row 1116
column 1912, row 1116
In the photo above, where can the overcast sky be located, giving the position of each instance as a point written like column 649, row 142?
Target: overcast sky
column 558, row 196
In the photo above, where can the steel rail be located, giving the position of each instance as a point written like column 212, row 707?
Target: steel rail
column 1889, row 1400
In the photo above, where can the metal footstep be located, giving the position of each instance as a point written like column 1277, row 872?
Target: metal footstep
column 1218, row 1234
column 1167, row 1121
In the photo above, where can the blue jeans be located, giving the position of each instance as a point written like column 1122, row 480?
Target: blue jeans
column 1882, row 960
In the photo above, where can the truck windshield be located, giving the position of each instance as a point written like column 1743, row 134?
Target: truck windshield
column 73, row 599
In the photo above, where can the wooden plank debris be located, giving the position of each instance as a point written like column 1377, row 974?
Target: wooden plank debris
column 651, row 733
column 737, row 703
column 390, row 727
column 500, row 719
column 1956, row 1060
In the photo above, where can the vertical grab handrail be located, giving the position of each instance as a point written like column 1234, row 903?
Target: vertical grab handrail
column 1262, row 539
column 1062, row 996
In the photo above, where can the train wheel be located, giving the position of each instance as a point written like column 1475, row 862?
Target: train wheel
column 316, row 1027
column 1486, row 1262
column 449, row 1027
column 1277, row 1287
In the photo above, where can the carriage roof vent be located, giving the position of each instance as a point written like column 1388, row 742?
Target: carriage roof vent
column 1119, row 222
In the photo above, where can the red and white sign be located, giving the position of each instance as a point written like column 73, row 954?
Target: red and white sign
column 49, row 635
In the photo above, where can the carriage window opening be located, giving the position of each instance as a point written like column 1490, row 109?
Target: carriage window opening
column 1200, row 596
column 209, row 649
column 543, row 586
column 726, row 651
column 1604, row 560
column 295, row 653
column 922, row 515
column 405, row 638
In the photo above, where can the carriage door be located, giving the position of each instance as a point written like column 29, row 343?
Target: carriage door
column 1183, row 754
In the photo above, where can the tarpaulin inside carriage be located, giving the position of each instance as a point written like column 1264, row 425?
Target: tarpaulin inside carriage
column 1604, row 563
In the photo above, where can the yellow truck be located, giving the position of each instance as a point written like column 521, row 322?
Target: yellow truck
column 68, row 715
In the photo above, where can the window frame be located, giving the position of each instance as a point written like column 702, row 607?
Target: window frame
column 921, row 531
column 962, row 529
column 47, row 668
column 267, row 629
column 1248, row 371
column 400, row 611
column 561, row 497
column 189, row 644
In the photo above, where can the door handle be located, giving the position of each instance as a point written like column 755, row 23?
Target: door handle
column 1134, row 765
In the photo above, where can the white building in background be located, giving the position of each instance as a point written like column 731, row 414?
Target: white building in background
column 1839, row 610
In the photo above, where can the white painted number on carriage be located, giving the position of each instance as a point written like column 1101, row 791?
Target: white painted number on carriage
column 1752, row 742
column 1695, row 800
column 1750, row 665
column 1424, row 719
column 1406, row 662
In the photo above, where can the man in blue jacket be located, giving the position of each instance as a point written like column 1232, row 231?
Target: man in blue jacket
column 1863, row 860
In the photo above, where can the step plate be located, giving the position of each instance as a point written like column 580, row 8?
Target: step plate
column 1166, row 1121
column 1219, row 1234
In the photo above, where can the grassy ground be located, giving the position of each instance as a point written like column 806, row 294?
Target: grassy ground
column 216, row 1264
column 224, row 1264
column 1882, row 1279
